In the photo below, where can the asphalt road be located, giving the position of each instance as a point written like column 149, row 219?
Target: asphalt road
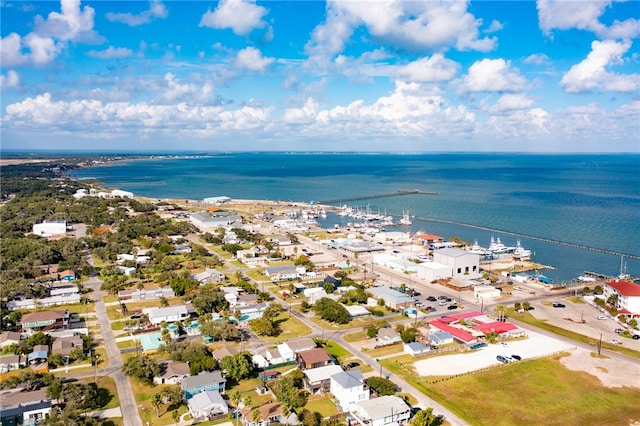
column 123, row 385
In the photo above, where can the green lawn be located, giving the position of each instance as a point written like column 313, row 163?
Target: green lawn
column 337, row 351
column 554, row 395
column 126, row 344
column 383, row 350
column 355, row 336
column 291, row 327
column 143, row 393
column 325, row 406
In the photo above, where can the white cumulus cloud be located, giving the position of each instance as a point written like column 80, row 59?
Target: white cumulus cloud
column 73, row 24
column 431, row 69
column 583, row 15
column 240, row 16
column 111, row 52
column 157, row 10
column 591, row 74
column 401, row 24
column 251, row 59
column 12, row 79
column 511, row 102
column 493, row 75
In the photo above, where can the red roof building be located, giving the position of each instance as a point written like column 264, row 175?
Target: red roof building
column 627, row 293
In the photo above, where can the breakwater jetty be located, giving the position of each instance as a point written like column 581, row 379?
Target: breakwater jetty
column 533, row 237
column 370, row 197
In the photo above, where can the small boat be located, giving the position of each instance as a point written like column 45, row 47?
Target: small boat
column 405, row 218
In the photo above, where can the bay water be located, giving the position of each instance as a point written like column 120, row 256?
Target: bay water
column 588, row 200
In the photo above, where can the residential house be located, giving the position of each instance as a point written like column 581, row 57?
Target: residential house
column 319, row 379
column 382, row 411
column 439, row 338
column 146, row 294
column 313, row 358
column 64, row 345
column 168, row 314
column 267, row 413
column 281, row 273
column 289, row 349
column 38, row 355
column 172, row 373
column 416, row 348
column 273, row 356
column 44, row 321
column 24, row 408
column 9, row 338
column 387, row 336
column 11, row 362
column 207, row 403
column 209, row 276
column 223, row 352
column 217, row 219
column 348, row 387
column 205, row 381
column 314, row 294
column 392, row 298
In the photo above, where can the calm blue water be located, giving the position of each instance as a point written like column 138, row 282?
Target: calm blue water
column 591, row 200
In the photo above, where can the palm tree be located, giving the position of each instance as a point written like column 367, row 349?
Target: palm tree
column 255, row 416
column 501, row 310
column 156, row 400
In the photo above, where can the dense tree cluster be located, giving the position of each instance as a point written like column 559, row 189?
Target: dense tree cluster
column 237, row 366
column 196, row 354
column 331, row 311
column 142, row 367
column 381, row 385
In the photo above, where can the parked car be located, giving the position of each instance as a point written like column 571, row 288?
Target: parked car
column 431, row 299
column 430, row 309
column 517, row 288
column 558, row 305
column 636, row 337
column 441, row 297
column 419, row 304
column 478, row 346
column 602, row 317
column 619, row 330
column 502, row 359
column 516, row 357
column 452, row 307
column 615, row 341
column 503, row 344
column 443, row 302
column 352, row 365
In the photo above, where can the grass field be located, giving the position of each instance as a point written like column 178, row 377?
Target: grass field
column 383, row 350
column 325, row 406
column 355, row 336
column 554, row 395
column 291, row 328
column 143, row 393
column 337, row 351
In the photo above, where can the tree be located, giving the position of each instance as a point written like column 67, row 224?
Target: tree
column 381, row 385
column 329, row 288
column 220, row 330
column 597, row 289
column 633, row 323
column 237, row 366
column 427, row 418
column 409, row 334
column 263, row 327
column 255, row 416
column 517, row 306
column 156, row 401
column 288, row 394
column 501, row 310
column 526, row 305
column 331, row 311
column 142, row 367
column 586, row 290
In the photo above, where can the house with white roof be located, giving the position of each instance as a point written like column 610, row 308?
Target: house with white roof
column 432, row 271
column 319, row 379
column 289, row 349
column 348, row 387
column 207, row 403
column 383, row 411
column 208, row 276
column 168, row 314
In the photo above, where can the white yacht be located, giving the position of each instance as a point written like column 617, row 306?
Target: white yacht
column 519, row 253
column 405, row 218
column 496, row 247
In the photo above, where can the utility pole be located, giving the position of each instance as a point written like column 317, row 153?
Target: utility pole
column 600, row 344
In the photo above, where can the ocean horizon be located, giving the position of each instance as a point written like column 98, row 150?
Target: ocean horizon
column 589, row 200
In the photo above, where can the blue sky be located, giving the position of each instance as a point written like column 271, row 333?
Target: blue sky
column 377, row 75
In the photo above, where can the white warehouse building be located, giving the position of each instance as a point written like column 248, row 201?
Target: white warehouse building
column 465, row 265
column 50, row 228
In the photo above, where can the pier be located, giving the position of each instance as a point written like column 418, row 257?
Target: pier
column 532, row 237
column 370, row 197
